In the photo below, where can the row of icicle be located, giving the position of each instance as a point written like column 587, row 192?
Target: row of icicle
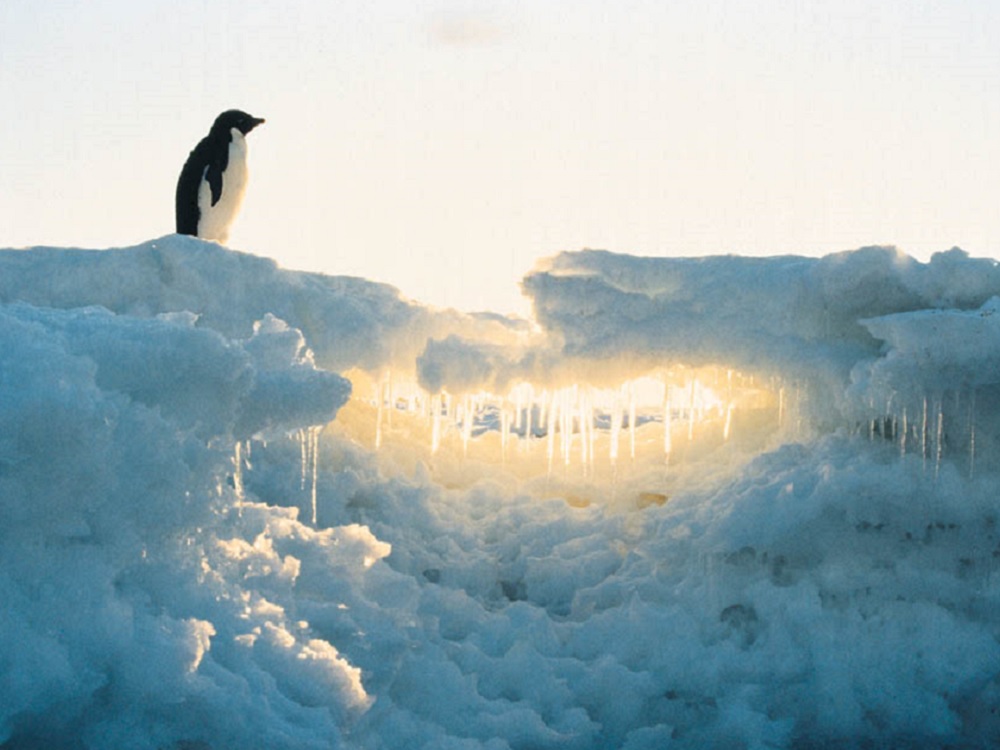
column 922, row 430
column 568, row 419
column 308, row 440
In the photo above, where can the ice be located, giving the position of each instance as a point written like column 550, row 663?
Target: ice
column 942, row 365
column 238, row 488
column 103, row 548
column 720, row 502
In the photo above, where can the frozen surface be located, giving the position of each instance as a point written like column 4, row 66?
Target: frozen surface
column 347, row 321
column 798, row 316
column 835, row 583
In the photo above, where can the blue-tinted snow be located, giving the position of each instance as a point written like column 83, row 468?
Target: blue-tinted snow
column 832, row 592
column 793, row 315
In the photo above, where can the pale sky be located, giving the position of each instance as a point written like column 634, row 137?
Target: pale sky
column 445, row 146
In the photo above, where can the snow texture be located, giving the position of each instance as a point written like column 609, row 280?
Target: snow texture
column 163, row 587
column 799, row 316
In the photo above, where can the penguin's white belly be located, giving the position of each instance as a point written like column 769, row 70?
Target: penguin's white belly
column 214, row 221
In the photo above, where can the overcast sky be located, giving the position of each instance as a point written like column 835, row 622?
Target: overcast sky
column 445, row 146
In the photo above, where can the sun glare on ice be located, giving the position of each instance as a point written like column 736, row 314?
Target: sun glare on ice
column 579, row 437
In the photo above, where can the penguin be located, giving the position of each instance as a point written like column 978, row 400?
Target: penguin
column 213, row 181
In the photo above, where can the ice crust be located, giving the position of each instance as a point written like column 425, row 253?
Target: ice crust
column 347, row 321
column 835, row 591
column 794, row 315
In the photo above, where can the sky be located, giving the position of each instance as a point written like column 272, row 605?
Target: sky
column 445, row 147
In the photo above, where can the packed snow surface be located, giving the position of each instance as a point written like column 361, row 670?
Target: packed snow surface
column 721, row 502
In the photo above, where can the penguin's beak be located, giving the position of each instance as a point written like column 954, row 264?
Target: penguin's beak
column 255, row 121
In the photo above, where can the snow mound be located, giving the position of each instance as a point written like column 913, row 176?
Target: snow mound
column 790, row 313
column 348, row 322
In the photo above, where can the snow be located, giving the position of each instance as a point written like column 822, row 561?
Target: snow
column 227, row 522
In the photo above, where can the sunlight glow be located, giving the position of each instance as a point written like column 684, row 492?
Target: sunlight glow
column 593, row 432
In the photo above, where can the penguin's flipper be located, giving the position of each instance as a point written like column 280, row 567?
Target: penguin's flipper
column 213, row 175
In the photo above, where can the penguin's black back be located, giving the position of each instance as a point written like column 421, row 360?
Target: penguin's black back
column 208, row 160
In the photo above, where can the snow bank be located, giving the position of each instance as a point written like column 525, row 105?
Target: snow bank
column 795, row 316
column 120, row 624
column 790, row 313
column 348, row 322
column 160, row 590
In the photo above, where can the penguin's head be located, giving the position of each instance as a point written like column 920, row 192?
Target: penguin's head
column 235, row 118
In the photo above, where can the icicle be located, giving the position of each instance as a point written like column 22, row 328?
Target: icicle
column 871, row 420
column 666, row 424
column 616, row 427
column 691, row 411
column 940, row 436
column 923, row 435
column 378, row 414
column 466, row 424
column 551, row 434
column 591, row 432
column 781, row 407
column 727, row 428
column 238, row 475
column 390, row 401
column 435, row 423
column 504, row 432
column 517, row 408
column 566, row 425
column 631, row 419
column 904, row 431
column 972, row 434
column 798, row 399
column 304, row 458
column 560, row 407
column 529, row 417
column 314, row 450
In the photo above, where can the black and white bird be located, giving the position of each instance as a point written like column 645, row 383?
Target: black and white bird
column 213, row 181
